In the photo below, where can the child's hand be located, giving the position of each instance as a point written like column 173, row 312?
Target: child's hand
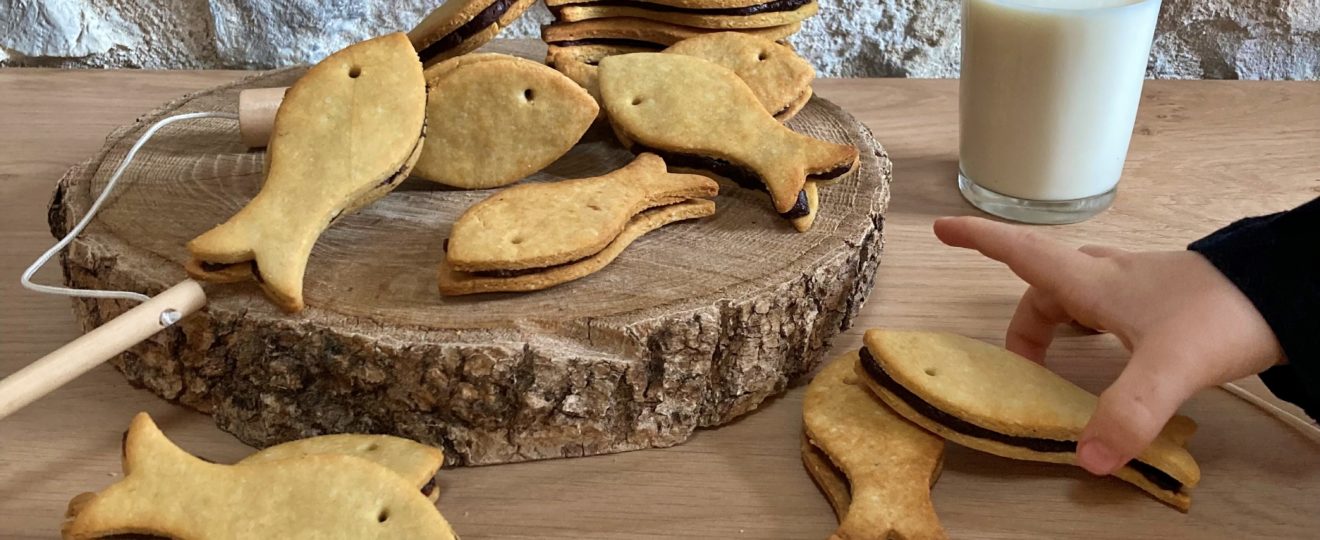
column 1187, row 326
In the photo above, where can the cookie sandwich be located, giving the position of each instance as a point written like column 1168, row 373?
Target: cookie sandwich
column 496, row 119
column 701, row 116
column 167, row 492
column 461, row 26
column 347, row 132
column 534, row 236
column 989, row 399
column 719, row 14
column 875, row 467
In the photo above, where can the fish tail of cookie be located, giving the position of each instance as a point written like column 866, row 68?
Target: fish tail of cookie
column 235, row 251
column 227, row 243
column 119, row 509
column 827, row 160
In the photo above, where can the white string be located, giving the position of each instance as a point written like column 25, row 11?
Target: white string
column 1309, row 429
column 91, row 213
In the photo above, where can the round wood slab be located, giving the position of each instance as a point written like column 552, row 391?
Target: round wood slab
column 693, row 326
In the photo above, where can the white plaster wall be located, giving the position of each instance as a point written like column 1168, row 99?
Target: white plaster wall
column 1248, row 39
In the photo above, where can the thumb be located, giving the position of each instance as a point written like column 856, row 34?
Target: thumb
column 1133, row 410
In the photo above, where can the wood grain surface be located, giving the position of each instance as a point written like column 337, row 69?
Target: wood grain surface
column 1204, row 153
column 692, row 326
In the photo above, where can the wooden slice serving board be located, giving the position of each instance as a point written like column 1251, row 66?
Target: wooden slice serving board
column 694, row 325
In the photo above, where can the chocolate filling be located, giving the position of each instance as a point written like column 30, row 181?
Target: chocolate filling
column 1160, row 478
column 613, row 42
column 484, row 18
column 773, row 6
column 742, row 176
column 214, row 267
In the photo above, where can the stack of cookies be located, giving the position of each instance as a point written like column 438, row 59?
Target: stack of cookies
column 584, row 31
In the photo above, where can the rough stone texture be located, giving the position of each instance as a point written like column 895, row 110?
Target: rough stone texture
column 1247, row 39
column 585, row 379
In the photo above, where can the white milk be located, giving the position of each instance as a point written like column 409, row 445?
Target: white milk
column 1049, row 93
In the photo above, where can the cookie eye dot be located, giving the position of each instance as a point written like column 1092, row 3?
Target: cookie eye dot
column 637, row 101
column 930, row 371
column 761, row 57
column 517, row 240
column 370, row 447
column 383, row 515
column 354, row 71
column 593, row 207
column 527, row 94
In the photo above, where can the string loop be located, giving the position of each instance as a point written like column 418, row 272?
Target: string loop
column 41, row 261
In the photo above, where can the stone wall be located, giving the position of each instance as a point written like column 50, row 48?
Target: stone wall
column 1225, row 39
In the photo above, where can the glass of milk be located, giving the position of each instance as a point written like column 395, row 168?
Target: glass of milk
column 1048, row 97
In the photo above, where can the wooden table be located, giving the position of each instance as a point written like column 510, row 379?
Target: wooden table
column 1204, row 153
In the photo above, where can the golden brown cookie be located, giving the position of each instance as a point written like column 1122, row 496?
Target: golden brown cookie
column 548, row 224
column 889, row 462
column 417, row 463
column 760, row 15
column 831, row 481
column 461, row 26
column 699, row 115
column 453, row 282
column 987, row 398
column 167, row 492
column 346, row 134
column 779, row 77
column 496, row 119
column 640, row 33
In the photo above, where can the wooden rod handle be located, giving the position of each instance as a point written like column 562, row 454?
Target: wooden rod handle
column 256, row 114
column 81, row 355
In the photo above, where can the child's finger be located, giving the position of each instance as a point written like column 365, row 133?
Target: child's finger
column 1133, row 410
column 1038, row 260
column 1032, row 329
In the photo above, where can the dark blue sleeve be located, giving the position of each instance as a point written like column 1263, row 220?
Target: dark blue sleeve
column 1275, row 261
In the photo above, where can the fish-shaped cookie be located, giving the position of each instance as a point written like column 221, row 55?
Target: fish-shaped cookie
column 643, row 33
column 417, row 463
column 168, row 492
column 347, row 133
column 779, row 77
column 700, row 115
column 889, row 463
column 533, row 236
column 722, row 14
column 989, row 399
column 494, row 119
column 458, row 27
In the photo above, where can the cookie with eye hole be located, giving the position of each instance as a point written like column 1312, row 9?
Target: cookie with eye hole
column 779, row 77
column 347, row 132
column 454, row 283
column 534, row 236
column 547, row 224
column 167, row 492
column 640, row 33
column 497, row 119
column 416, row 463
column 727, row 15
column 698, row 115
column 887, row 464
column 989, row 399
column 458, row 27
